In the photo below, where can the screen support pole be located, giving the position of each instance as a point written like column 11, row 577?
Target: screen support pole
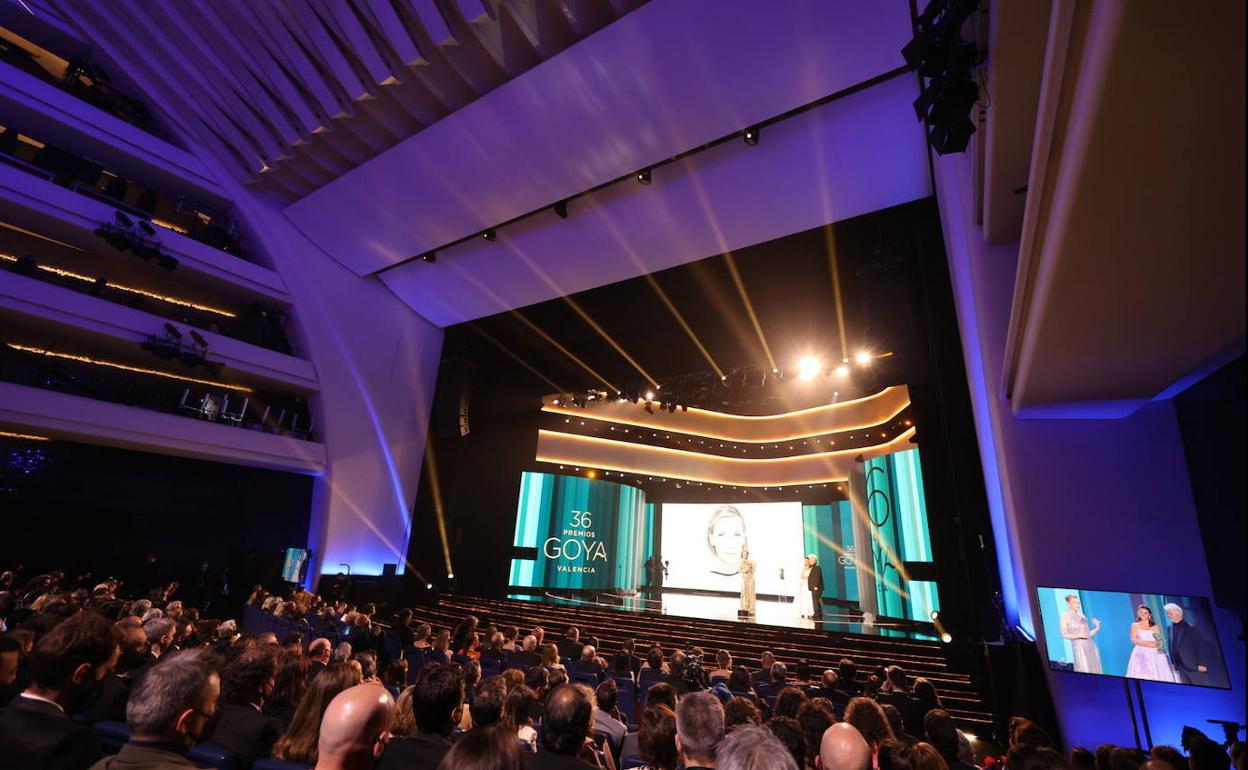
column 1135, row 727
column 1148, row 735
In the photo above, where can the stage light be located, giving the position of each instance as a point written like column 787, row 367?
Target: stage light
column 199, row 339
column 751, row 135
column 946, row 637
column 649, row 395
column 450, row 576
column 842, row 371
column 643, row 176
column 863, row 358
column 807, row 368
column 428, row 586
column 172, row 331
column 490, row 235
column 935, row 615
column 429, row 256
column 561, row 208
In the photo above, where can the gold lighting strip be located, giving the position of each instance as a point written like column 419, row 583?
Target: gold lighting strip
column 597, row 413
column 665, row 462
column 122, row 287
column 23, row 436
column 125, row 367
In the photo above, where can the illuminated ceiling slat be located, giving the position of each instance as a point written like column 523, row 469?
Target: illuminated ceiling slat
column 841, row 417
column 643, row 460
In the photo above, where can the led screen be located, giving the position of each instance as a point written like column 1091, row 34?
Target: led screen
column 1154, row 637
column 702, row 544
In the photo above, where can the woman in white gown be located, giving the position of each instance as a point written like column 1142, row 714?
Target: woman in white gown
column 1148, row 660
column 1075, row 628
column 801, row 596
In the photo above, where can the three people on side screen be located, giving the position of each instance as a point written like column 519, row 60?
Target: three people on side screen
column 1175, row 655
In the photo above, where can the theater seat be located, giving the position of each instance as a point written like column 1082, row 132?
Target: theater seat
column 212, row 755
column 112, row 735
column 277, row 764
column 631, row 761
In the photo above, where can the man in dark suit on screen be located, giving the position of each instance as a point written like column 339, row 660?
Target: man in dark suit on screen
column 814, row 582
column 1189, row 651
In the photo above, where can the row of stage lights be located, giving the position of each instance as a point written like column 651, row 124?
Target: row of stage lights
column 677, row 395
column 643, row 177
column 640, row 480
column 898, row 427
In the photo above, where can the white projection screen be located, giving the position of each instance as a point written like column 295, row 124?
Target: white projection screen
column 702, row 543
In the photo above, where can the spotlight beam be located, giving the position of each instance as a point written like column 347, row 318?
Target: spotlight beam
column 603, row 333
column 683, row 324
column 435, row 488
column 749, row 308
column 516, row 358
column 834, row 266
column 555, row 344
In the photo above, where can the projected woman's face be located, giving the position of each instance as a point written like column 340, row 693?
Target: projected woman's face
column 727, row 540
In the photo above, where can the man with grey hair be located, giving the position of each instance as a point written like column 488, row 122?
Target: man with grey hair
column 699, row 729
column 318, row 656
column 763, row 675
column 814, row 582
column 750, row 747
column 169, row 711
column 1189, row 652
column 527, row 656
column 159, row 633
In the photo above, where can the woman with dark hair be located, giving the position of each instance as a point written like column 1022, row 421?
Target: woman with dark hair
column 920, row 756
column 739, row 680
column 298, row 743
column 624, row 662
column 788, row 702
column 487, row 749
column 1148, row 660
column 520, row 708
column 657, row 738
column 290, row 683
column 741, row 711
column 654, row 659
column 867, row 716
column 926, row 694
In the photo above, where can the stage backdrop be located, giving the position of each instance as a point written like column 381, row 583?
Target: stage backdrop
column 702, row 544
column 575, row 532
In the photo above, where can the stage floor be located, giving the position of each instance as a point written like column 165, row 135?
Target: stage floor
column 767, row 612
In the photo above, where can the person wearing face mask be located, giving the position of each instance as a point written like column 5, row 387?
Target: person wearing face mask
column 115, row 688
column 172, row 709
column 243, row 727
column 65, row 667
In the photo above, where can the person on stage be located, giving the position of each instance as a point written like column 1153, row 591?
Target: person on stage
column 1148, row 660
column 1189, row 652
column 803, row 601
column 814, row 582
column 1075, row 628
column 654, row 577
column 747, row 583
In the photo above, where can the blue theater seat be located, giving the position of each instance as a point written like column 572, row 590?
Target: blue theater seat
column 212, row 755
column 277, row 764
column 627, row 699
column 112, row 735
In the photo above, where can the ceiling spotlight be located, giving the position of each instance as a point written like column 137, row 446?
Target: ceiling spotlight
column 751, row 135
column 428, row 586
column 863, row 358
column 946, row 637
column 643, row 176
column 842, row 371
column 450, row 576
column 490, row 235
column 172, row 331
column 807, row 368
column 561, row 208
column 935, row 614
column 199, row 339
column 430, row 256
column 649, row 395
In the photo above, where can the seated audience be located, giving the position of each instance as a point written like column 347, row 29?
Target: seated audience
column 10, row 657
column 588, row 666
column 538, row 679
column 65, row 669
column 1123, row 758
column 570, row 645
column 762, row 677
column 723, row 666
column 495, row 652
column 814, row 718
column 483, row 750
column 654, row 661
column 437, row 705
column 868, row 718
column 289, row 684
column 527, row 656
column 242, row 726
column 847, row 673
column 898, row 725
column 566, row 726
column 168, row 712
column 895, row 691
column 607, row 717
column 941, row 731
column 1205, row 754
column 404, row 722
column 777, row 676
column 740, row 681
column 353, row 731
column 319, row 652
column 788, row 731
column 919, row 756
column 661, row 693
column 625, row 662
column 115, row 688
column 487, row 702
column 844, row 748
column 1168, row 754
column 699, row 729
column 788, row 702
column 753, row 748
column 519, row 710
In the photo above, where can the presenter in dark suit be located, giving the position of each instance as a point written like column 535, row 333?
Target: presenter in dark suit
column 814, row 582
column 1189, row 650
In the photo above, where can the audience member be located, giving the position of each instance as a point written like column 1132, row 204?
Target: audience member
column 169, row 711
column 843, row 747
column 290, row 682
column 788, row 701
column 847, row 673
column 1168, row 754
column 868, row 718
column 762, row 677
column 586, row 666
column 607, row 717
column 487, row 702
column 699, row 729
column 353, row 730
column 657, row 738
column 490, row 749
column 1204, row 754
column 740, row 711
column 570, row 645
column 941, row 731
column 661, row 693
column 789, row 733
column 437, row 704
column 115, row 688
column 1026, row 731
column 10, row 656
column 753, row 748
column 739, row 681
column 319, row 652
column 550, row 657
column 917, row 756
column 298, row 743
column 242, row 726
column 65, row 670
column 566, row 727
column 898, row 725
column 527, row 656
column 814, row 718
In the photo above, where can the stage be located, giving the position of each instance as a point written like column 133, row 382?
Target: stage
column 776, row 611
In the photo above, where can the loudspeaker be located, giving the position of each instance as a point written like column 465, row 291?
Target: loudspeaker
column 389, row 570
